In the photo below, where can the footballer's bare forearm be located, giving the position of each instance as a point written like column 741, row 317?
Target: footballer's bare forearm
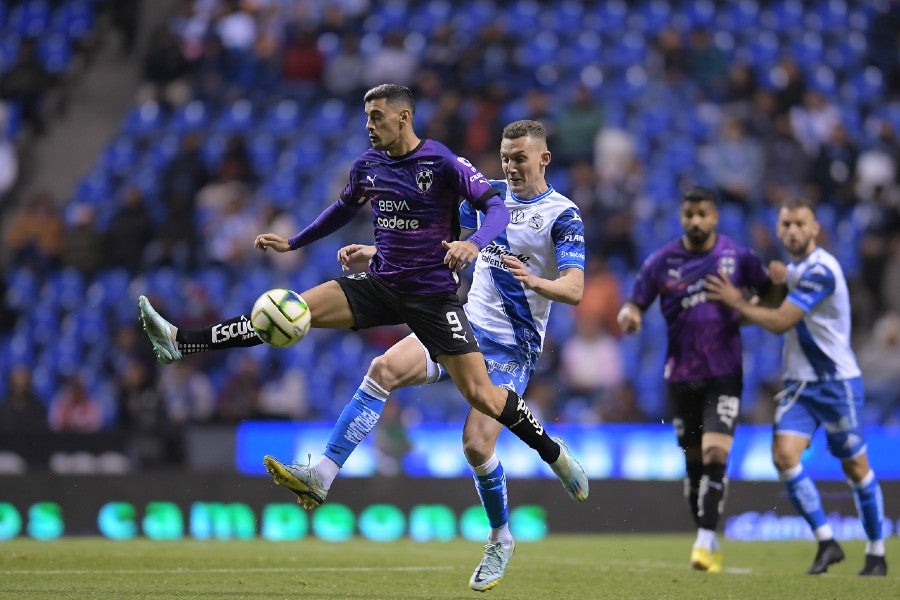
column 777, row 320
column 568, row 288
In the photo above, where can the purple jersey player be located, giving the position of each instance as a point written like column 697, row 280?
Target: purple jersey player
column 703, row 358
column 415, row 187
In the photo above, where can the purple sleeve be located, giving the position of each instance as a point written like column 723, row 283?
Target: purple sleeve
column 644, row 290
column 330, row 220
column 496, row 218
column 755, row 272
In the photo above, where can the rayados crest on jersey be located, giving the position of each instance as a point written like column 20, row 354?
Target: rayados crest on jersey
column 424, row 179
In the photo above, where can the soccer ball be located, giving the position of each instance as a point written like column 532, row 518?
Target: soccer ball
column 280, row 317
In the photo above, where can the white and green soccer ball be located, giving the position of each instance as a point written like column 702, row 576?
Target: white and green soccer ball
column 280, row 317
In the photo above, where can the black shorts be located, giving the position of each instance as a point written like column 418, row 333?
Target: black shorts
column 705, row 406
column 438, row 320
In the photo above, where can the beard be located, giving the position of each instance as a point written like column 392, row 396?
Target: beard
column 697, row 237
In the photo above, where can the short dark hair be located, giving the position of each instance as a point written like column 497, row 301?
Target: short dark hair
column 524, row 127
column 394, row 93
column 795, row 202
column 699, row 194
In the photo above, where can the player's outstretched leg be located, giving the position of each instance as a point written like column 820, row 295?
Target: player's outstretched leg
column 160, row 332
column 493, row 565
column 300, row 479
column 829, row 553
column 570, row 473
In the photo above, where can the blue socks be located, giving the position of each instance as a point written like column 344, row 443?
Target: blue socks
column 490, row 481
column 869, row 505
column 804, row 496
column 357, row 419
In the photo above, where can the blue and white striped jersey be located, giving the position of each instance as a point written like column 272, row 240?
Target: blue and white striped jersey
column 818, row 347
column 547, row 234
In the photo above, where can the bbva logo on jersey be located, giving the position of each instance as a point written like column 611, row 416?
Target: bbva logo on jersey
column 424, row 179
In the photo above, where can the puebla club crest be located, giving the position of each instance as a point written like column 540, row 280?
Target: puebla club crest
column 424, row 179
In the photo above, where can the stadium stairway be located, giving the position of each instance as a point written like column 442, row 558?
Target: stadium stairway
column 97, row 103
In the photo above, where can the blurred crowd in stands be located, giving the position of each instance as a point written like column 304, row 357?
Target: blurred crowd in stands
column 251, row 110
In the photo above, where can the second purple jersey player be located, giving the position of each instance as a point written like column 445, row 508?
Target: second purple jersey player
column 704, row 361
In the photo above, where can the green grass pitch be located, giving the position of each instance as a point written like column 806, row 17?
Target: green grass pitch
column 569, row 567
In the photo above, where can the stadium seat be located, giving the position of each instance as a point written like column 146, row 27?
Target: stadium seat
column 213, row 149
column 327, row 119
column 613, row 16
column 30, row 18
column 74, row 18
column 190, row 117
column 22, row 287
column 426, row 16
column 68, row 286
column 807, row 49
column 237, row 117
column 303, row 155
column 215, row 282
column 700, row 13
column 657, row 14
column 863, row 88
column 55, row 52
column 119, row 156
column 264, row 151
column 282, row 118
column 143, row 120
column 282, row 189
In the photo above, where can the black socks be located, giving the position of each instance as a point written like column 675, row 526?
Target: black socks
column 517, row 417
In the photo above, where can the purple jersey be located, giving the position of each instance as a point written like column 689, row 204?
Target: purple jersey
column 704, row 338
column 415, row 206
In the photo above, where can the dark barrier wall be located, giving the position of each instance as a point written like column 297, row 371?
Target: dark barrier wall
column 755, row 510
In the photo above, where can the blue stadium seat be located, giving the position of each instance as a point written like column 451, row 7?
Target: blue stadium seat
column 237, row 117
column 30, row 18
column 613, row 16
column 74, row 18
column 119, row 156
column 657, row 14
column 263, row 150
column 823, row 79
column 69, row 286
column 426, row 16
column 282, row 189
column 22, row 287
column 9, row 50
column 161, row 151
column 303, row 155
column 213, row 149
column 733, row 222
column 863, row 88
column 11, row 125
column 785, row 15
column 739, row 16
column 833, row 15
column 327, row 119
column 113, row 286
column 215, row 281
column 144, row 120
column 55, row 52
column 192, row 116
column 807, row 49
column 166, row 282
column 282, row 118
column 700, row 13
